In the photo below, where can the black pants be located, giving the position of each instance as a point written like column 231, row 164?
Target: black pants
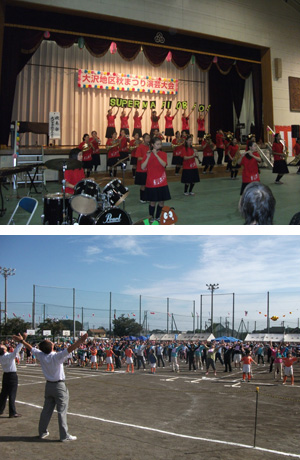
column 9, row 389
column 192, row 363
column 260, row 358
column 227, row 365
column 160, row 358
column 118, row 362
column 219, row 357
column 141, row 360
column 220, row 156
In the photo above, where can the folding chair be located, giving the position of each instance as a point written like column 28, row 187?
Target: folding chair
column 28, row 204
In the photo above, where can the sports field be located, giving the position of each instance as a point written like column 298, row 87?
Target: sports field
column 165, row 416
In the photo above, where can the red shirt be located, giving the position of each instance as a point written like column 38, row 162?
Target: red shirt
column 87, row 155
column 132, row 144
column 232, row 149
column 140, row 153
column 111, row 121
column 95, row 144
column 128, row 352
column 297, row 149
column 154, row 124
column 137, row 122
column 208, row 151
column 113, row 152
column 201, row 124
column 227, row 144
column 73, row 176
column 169, row 122
column 288, row 362
column 156, row 173
column 247, row 360
column 220, row 141
column 250, row 170
column 185, row 123
column 124, row 142
column 277, row 147
column 177, row 150
column 191, row 163
column 124, row 122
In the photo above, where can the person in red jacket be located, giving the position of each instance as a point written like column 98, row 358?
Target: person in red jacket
column 157, row 190
column 86, row 149
column 233, row 151
column 111, row 127
column 113, row 148
column 185, row 126
column 169, row 130
column 73, row 176
column 154, row 121
column 208, row 148
column 249, row 161
column 137, row 126
column 178, row 147
column 124, row 152
column 141, row 174
column 279, row 153
column 190, row 173
column 125, row 121
column 95, row 143
column 201, row 126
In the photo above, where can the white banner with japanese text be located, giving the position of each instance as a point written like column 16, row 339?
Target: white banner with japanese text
column 126, row 82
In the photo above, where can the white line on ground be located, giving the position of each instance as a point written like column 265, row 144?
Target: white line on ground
column 170, row 433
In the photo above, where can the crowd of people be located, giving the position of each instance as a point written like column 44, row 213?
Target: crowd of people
column 149, row 161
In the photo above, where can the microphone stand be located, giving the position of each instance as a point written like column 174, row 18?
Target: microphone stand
column 64, row 221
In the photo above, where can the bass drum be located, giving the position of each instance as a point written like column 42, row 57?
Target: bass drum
column 53, row 209
column 112, row 216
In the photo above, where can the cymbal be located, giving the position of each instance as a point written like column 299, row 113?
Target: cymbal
column 58, row 163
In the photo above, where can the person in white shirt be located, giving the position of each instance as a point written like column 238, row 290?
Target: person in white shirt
column 9, row 378
column 56, row 392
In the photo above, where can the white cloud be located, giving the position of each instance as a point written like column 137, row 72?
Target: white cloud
column 166, row 267
column 92, row 251
column 131, row 245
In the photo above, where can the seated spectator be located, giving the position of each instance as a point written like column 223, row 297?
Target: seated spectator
column 257, row 204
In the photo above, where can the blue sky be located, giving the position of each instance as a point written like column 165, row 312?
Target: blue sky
column 157, row 267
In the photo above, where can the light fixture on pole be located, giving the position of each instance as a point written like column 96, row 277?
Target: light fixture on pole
column 6, row 272
column 212, row 288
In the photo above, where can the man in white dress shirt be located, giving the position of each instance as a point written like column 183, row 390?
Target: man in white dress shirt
column 56, row 392
column 9, row 378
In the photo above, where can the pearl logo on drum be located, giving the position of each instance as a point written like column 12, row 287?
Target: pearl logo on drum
column 112, row 220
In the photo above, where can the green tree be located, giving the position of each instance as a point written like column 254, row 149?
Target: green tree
column 50, row 325
column 126, row 326
column 15, row 325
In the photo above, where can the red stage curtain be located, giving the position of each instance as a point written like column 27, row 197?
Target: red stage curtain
column 181, row 59
column 96, row 46
column 63, row 40
column 204, row 62
column 128, row 51
column 224, row 65
column 155, row 55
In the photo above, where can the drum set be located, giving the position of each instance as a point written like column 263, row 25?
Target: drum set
column 93, row 206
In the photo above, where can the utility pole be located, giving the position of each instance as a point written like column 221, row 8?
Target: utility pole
column 6, row 272
column 212, row 288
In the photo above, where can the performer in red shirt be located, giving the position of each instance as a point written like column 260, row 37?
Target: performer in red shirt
column 279, row 152
column 133, row 145
column 201, row 126
column 124, row 152
column 137, row 127
column 154, row 121
column 208, row 148
column 185, row 122
column 220, row 145
column 111, row 122
column 169, row 131
column 86, row 149
column 113, row 146
column 95, row 143
column 124, row 121
column 157, row 190
column 158, row 134
column 296, row 151
column 141, row 174
column 190, row 173
column 251, row 137
column 249, row 160
column 178, row 147
column 73, row 176
column 233, row 151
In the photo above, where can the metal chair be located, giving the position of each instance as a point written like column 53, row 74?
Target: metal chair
column 27, row 204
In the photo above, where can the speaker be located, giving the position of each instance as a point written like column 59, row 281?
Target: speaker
column 295, row 131
column 278, row 67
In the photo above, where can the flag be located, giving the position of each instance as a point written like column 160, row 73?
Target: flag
column 133, row 314
column 93, row 314
column 152, row 312
column 114, row 316
column 246, row 313
column 29, row 315
column 169, row 314
column 14, row 315
column 77, row 316
column 192, row 315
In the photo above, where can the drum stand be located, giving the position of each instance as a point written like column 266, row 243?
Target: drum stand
column 123, row 167
column 64, row 221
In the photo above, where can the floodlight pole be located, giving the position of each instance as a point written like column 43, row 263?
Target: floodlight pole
column 6, row 272
column 212, row 288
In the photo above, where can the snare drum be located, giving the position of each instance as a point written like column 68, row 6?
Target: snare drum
column 53, row 209
column 86, row 197
column 115, row 192
column 112, row 216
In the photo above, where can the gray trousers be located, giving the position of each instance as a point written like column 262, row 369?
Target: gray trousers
column 56, row 394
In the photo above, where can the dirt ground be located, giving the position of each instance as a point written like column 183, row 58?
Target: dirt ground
column 164, row 416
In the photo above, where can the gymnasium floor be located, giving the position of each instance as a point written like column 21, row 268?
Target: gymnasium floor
column 215, row 201
column 164, row 416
